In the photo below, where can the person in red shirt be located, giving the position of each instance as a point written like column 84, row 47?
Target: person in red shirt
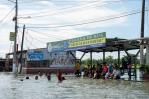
column 59, row 76
column 104, row 69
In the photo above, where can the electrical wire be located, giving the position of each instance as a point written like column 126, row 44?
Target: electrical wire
column 5, row 3
column 90, row 22
column 123, row 13
column 45, row 13
column 11, row 1
column 37, row 39
column 29, row 41
column 25, row 41
column 67, row 8
column 51, row 35
column 3, row 19
column 60, row 1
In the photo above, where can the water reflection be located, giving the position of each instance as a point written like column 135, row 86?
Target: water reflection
column 73, row 88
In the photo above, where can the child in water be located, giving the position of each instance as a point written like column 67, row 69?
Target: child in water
column 49, row 76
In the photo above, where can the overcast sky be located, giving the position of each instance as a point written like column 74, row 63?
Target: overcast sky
column 54, row 20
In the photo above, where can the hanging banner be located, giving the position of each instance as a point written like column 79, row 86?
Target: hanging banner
column 57, row 46
column 86, row 42
column 37, row 54
column 61, row 59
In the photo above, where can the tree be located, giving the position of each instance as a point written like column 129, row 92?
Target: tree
column 109, row 59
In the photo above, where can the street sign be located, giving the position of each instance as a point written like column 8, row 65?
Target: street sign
column 12, row 36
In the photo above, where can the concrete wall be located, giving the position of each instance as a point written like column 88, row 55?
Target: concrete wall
column 47, row 70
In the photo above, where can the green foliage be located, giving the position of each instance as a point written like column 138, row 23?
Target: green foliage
column 87, row 62
column 133, row 59
column 108, row 60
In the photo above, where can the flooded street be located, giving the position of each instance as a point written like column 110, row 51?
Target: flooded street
column 72, row 88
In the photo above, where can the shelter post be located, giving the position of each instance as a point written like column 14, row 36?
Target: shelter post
column 91, row 59
column 82, row 55
column 142, row 34
column 135, row 67
column 119, row 57
column 81, row 58
column 103, row 55
column 74, row 57
column 126, row 52
column 135, row 64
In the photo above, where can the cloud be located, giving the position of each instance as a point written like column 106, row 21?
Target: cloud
column 57, row 15
column 42, row 37
column 80, row 14
column 4, row 10
column 91, row 15
column 6, row 25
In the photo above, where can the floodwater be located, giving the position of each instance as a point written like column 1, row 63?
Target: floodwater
column 72, row 88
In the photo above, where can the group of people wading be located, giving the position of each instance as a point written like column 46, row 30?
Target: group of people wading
column 104, row 71
column 60, row 78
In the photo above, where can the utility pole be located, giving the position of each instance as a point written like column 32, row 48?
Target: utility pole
column 15, row 40
column 20, row 59
column 142, row 34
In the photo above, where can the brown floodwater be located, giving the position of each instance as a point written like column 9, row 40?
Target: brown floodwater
column 12, row 87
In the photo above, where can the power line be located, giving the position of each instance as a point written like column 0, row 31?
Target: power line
column 37, row 39
column 67, row 8
column 51, row 35
column 11, row 1
column 123, row 13
column 28, row 43
column 5, row 3
column 95, row 21
column 68, row 0
column 2, row 20
column 60, row 1
column 45, row 13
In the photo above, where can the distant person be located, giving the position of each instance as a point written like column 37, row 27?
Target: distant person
column 36, row 77
column 124, row 66
column 104, row 69
column 49, row 76
column 27, row 77
column 63, row 78
column 39, row 73
column 82, row 73
column 116, row 73
column 110, row 72
column 77, row 71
